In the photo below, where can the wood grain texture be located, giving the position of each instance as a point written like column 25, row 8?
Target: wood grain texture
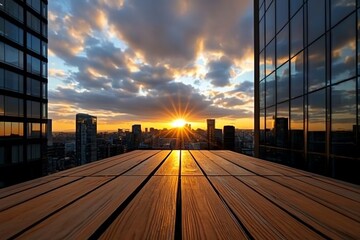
column 151, row 215
column 120, row 167
column 13, row 220
column 209, row 167
column 145, row 168
column 263, row 219
column 4, row 192
column 171, row 164
column 331, row 200
column 81, row 219
column 226, row 165
column 204, row 216
column 333, row 224
column 25, row 195
column 188, row 165
column 246, row 163
column 99, row 165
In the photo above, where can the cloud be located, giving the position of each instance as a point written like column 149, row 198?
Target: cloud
column 219, row 72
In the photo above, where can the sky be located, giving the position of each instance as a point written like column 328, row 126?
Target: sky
column 151, row 62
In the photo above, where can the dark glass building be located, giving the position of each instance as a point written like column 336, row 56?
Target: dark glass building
column 307, row 65
column 86, row 129
column 211, row 133
column 23, row 90
column 229, row 138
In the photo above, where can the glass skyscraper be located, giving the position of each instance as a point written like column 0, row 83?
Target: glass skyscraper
column 86, row 129
column 23, row 89
column 307, row 84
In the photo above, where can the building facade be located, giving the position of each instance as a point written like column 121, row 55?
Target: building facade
column 86, row 129
column 307, row 65
column 23, row 90
column 136, row 136
column 211, row 133
column 229, row 138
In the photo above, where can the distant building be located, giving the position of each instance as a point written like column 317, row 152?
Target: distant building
column 306, row 83
column 218, row 138
column 23, row 90
column 211, row 133
column 229, row 138
column 86, row 127
column 136, row 136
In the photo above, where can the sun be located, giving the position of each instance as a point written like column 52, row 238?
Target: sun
column 179, row 123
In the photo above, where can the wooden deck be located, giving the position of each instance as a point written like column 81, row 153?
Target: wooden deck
column 181, row 195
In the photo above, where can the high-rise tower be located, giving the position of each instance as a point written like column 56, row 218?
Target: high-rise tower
column 23, row 90
column 307, row 84
column 86, row 127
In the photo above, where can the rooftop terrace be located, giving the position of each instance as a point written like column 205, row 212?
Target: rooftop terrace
column 181, row 194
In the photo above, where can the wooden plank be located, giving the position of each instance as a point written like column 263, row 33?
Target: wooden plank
column 325, row 220
column 246, row 163
column 227, row 165
column 188, row 165
column 276, row 168
column 4, row 192
column 117, row 169
column 109, row 161
column 204, row 215
column 260, row 217
column 81, row 219
column 339, row 189
column 151, row 215
column 209, row 167
column 334, row 201
column 145, row 168
column 342, row 184
column 14, row 220
column 171, row 165
column 23, row 196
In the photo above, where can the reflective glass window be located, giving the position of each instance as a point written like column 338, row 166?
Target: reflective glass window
column 282, row 78
column 343, row 119
column 44, row 49
column 44, row 69
column 269, row 124
column 343, row 42
column 294, row 6
column 13, row 81
column 262, row 94
column 2, row 51
column 262, row 65
column 44, row 110
column 270, row 90
column 13, row 106
column 2, row 78
column 270, row 23
column 316, row 121
column 282, row 13
column 44, row 90
column 316, row 19
column 33, row 22
column 297, row 123
column 262, row 34
column 33, row 43
column 296, row 33
column 270, row 57
column 316, row 65
column 35, row 4
column 340, row 9
column 44, row 11
column 34, row 130
column 297, row 75
column 281, row 124
column 262, row 126
column 282, row 46
column 13, row 9
column 13, row 56
column 2, row 106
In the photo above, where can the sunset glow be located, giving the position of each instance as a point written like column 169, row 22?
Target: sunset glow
column 179, row 123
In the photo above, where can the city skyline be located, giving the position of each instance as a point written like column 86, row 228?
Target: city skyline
column 150, row 63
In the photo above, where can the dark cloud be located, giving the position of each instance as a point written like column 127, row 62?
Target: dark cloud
column 219, row 72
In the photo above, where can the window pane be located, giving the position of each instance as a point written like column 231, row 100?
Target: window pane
column 270, row 115
column 297, row 123
column 340, row 9
column 316, row 61
column 270, row 58
column 262, row 65
column 270, row 90
column 316, row 19
column 282, row 124
column 296, row 32
column 270, row 23
column 316, row 121
column 343, row 39
column 2, row 106
column 261, row 34
column 282, row 13
column 343, row 119
column 282, row 75
column 11, row 106
column 282, row 46
column 294, row 6
column 262, row 94
column 262, row 126
column 297, row 75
